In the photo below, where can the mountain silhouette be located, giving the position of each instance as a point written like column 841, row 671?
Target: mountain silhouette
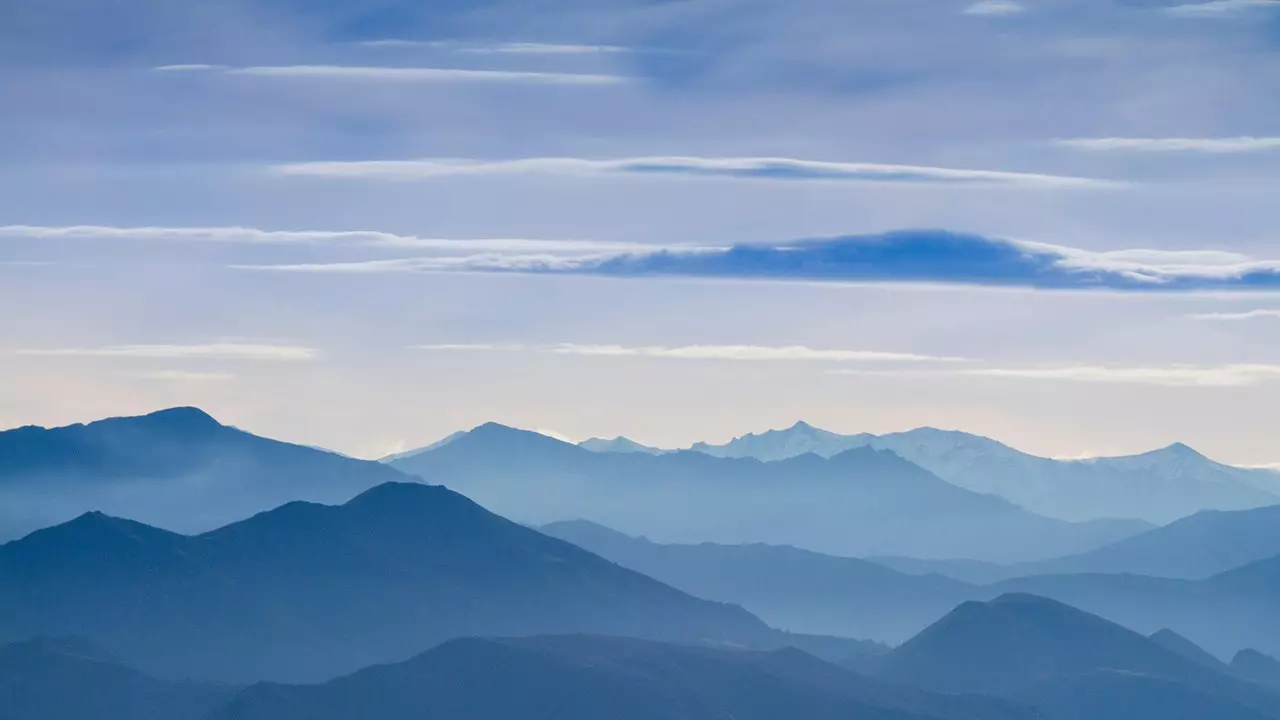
column 71, row 679
column 176, row 468
column 1172, row 641
column 1196, row 547
column 787, row 587
column 308, row 591
column 1157, row 487
column 1029, row 648
column 618, row 445
column 1254, row 666
column 853, row 504
column 588, row 678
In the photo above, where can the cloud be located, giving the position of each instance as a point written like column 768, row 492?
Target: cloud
column 1244, row 144
column 909, row 256
column 1213, row 376
column 757, row 168
column 194, row 67
column 995, row 7
column 189, row 376
column 702, row 352
column 211, row 351
column 404, row 74
column 1237, row 316
column 1173, row 376
column 246, row 235
column 1220, row 8
column 526, row 48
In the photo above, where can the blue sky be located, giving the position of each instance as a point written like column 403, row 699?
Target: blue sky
column 365, row 224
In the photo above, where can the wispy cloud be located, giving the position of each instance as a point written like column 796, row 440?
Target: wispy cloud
column 1238, row 316
column 995, row 7
column 187, row 376
column 758, row 168
column 912, row 256
column 1212, row 376
column 528, row 48
column 403, row 74
column 702, row 352
column 246, row 235
column 1222, row 145
column 1220, row 8
column 211, row 351
column 504, row 48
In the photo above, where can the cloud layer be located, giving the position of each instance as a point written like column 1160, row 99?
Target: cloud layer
column 366, row 73
column 757, row 168
column 702, row 352
column 211, row 351
column 913, row 256
column 1243, row 144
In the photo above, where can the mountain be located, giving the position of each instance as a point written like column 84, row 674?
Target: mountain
column 1061, row 660
column 789, row 588
column 176, row 468
column 1172, row 641
column 410, row 453
column 618, row 445
column 308, row 592
column 70, row 679
column 1255, row 667
column 861, row 502
column 1157, row 487
column 588, row 678
column 1199, row 546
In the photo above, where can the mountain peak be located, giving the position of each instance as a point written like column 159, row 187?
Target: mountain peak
column 181, row 419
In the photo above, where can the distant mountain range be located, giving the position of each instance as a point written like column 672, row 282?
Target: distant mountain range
column 1158, row 487
column 309, row 591
column 1193, row 548
column 591, row 678
column 179, row 469
column 861, row 502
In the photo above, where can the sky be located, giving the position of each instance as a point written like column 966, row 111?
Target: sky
column 365, row 224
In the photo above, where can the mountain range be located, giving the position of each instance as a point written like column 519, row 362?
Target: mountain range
column 177, row 468
column 308, row 591
column 1158, row 486
column 860, row 502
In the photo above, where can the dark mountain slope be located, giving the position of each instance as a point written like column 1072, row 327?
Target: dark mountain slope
column 1196, row 547
column 1021, row 646
column 309, row 591
column 68, row 679
column 588, row 678
column 789, row 588
column 175, row 468
column 1255, row 667
column 856, row 503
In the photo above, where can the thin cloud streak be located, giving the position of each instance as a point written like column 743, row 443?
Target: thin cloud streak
column 1222, row 145
column 402, row 74
column 211, row 351
column 187, row 376
column 754, row 168
column 702, row 352
column 1176, row 376
column 994, row 8
column 247, row 235
column 1220, row 8
column 1237, row 316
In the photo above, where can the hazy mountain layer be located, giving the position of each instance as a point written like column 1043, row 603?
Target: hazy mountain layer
column 861, row 502
column 1159, row 486
column 179, row 469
